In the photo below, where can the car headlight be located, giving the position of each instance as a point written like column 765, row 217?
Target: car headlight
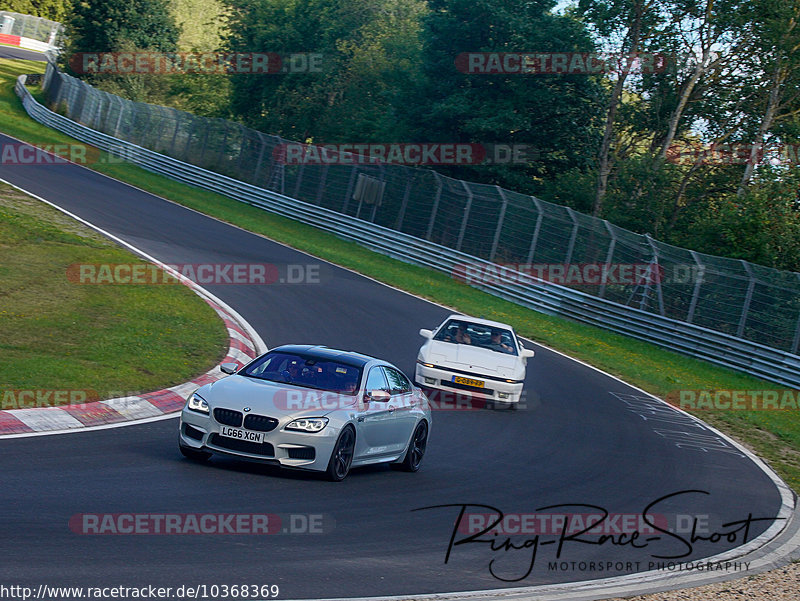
column 308, row 424
column 196, row 403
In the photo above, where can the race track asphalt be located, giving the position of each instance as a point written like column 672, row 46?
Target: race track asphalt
column 11, row 52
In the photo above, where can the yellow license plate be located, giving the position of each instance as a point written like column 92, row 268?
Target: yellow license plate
column 468, row 381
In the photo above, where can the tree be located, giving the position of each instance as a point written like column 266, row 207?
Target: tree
column 368, row 50
column 55, row 10
column 553, row 114
column 113, row 25
column 778, row 46
column 627, row 25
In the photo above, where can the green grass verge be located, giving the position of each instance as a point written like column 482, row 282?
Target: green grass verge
column 774, row 435
column 99, row 341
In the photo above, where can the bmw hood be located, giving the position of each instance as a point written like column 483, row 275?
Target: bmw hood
column 272, row 399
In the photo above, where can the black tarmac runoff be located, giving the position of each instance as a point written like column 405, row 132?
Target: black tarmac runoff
column 592, row 478
column 14, row 53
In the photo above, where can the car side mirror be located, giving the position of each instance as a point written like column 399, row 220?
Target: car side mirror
column 426, row 333
column 378, row 396
column 229, row 368
column 527, row 353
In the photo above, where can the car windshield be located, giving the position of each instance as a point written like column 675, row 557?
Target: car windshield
column 305, row 371
column 496, row 339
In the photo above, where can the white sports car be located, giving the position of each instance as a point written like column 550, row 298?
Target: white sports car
column 484, row 358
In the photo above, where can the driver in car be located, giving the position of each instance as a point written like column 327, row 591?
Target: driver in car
column 496, row 343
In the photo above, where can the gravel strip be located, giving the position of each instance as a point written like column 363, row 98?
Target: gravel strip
column 782, row 584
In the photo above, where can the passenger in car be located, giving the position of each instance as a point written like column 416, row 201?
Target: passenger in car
column 461, row 336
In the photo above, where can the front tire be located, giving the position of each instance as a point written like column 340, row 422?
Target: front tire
column 342, row 456
column 416, row 449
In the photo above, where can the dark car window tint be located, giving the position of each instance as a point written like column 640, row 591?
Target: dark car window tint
column 447, row 331
column 478, row 335
column 398, row 383
column 308, row 372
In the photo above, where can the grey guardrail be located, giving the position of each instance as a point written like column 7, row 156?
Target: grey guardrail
column 716, row 347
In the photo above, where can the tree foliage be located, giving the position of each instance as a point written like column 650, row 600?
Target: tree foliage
column 369, row 49
column 114, row 25
column 55, row 10
column 554, row 115
column 730, row 92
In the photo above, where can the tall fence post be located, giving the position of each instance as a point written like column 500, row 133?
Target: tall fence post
column 190, row 131
column 403, row 205
column 466, row 215
column 350, row 185
column 162, row 128
column 748, row 297
column 299, row 180
column 322, row 181
column 223, row 155
column 243, row 139
column 257, row 169
column 48, row 78
column 71, row 98
column 796, row 342
column 375, row 205
column 700, row 274
column 655, row 261
column 204, row 144
column 573, row 237
column 435, row 208
column 119, row 117
column 178, row 120
column 500, row 219
column 536, row 229
column 609, row 256
column 83, row 97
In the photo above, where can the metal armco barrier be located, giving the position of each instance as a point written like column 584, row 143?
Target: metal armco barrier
column 552, row 299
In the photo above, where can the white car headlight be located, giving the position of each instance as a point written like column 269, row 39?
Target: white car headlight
column 308, row 424
column 196, row 403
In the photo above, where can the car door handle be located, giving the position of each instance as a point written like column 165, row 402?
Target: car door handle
column 391, row 408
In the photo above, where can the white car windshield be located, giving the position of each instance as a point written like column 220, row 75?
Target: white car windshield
column 457, row 331
column 306, row 371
